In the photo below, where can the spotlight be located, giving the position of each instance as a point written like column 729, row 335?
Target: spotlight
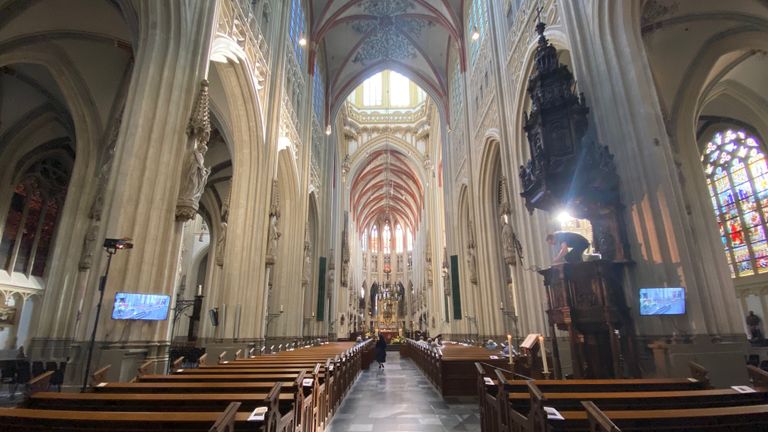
column 475, row 34
column 123, row 243
column 564, row 217
column 328, row 130
column 302, row 40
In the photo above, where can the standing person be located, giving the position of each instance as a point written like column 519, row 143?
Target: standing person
column 570, row 246
column 381, row 351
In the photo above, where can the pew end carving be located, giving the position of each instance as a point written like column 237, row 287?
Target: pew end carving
column 226, row 421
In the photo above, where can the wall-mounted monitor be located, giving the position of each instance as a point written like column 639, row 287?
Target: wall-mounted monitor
column 662, row 301
column 135, row 306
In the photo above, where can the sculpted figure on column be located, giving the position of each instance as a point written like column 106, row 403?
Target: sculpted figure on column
column 307, row 258
column 507, row 241
column 274, row 234
column 194, row 174
column 471, row 254
column 274, row 219
column 221, row 242
column 471, row 264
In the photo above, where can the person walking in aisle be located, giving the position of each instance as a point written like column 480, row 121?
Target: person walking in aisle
column 381, row 351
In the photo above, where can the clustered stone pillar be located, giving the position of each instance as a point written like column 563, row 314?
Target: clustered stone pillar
column 145, row 180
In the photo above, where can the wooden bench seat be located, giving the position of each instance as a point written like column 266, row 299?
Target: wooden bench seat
column 736, row 418
column 271, row 377
column 193, row 399
column 151, row 402
column 188, row 387
column 521, row 402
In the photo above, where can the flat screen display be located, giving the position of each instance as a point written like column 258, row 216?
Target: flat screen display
column 662, row 301
column 135, row 306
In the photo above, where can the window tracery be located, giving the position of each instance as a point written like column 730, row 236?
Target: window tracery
column 737, row 179
column 31, row 219
column 386, row 238
column 477, row 21
column 398, row 239
column 297, row 30
column 374, row 239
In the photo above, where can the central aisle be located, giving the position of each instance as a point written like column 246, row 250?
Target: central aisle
column 400, row 398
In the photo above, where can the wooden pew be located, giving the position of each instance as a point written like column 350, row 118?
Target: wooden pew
column 730, row 419
column 518, row 405
column 40, row 383
column 185, row 399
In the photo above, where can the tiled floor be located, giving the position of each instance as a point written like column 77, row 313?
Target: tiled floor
column 400, row 398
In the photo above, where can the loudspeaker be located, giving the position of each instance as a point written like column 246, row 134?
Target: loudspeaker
column 214, row 313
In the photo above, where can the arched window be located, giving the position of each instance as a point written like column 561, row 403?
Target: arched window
column 477, row 21
column 372, row 91
column 386, row 238
column 399, row 90
column 398, row 239
column 737, row 178
column 408, row 239
column 31, row 220
column 374, row 239
column 296, row 30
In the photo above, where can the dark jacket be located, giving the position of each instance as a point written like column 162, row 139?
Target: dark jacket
column 381, row 350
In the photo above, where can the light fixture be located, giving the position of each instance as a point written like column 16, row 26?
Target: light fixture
column 475, row 34
column 564, row 217
column 302, row 40
column 328, row 130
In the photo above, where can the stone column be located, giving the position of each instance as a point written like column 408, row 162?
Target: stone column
column 171, row 55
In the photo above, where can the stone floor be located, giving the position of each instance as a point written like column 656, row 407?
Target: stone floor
column 400, row 398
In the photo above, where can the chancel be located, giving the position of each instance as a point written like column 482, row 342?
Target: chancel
column 215, row 212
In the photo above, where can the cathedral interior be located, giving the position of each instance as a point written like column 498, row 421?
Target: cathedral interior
column 212, row 176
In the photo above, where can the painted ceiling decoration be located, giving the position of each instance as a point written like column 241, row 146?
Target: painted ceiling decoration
column 389, row 32
column 362, row 37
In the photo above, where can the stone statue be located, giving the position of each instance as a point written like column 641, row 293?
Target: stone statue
column 471, row 262
column 221, row 243
column 274, row 234
column 194, row 173
column 307, row 258
column 507, row 241
column 86, row 259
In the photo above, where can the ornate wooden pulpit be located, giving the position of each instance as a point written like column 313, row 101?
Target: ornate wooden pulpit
column 569, row 170
column 586, row 300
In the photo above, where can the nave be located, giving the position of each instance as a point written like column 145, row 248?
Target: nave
column 399, row 397
column 581, row 182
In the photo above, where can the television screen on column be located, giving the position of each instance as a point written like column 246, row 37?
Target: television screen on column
column 662, row 301
column 135, row 306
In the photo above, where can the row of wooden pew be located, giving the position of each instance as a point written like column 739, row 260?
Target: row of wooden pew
column 300, row 390
column 515, row 405
column 450, row 367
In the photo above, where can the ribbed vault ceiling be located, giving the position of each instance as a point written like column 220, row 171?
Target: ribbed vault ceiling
column 362, row 37
column 386, row 186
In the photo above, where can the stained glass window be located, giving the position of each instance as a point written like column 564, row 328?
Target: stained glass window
column 318, row 99
column 737, row 179
column 478, row 20
column 398, row 239
column 408, row 239
column 374, row 239
column 296, row 30
column 31, row 219
column 386, row 238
